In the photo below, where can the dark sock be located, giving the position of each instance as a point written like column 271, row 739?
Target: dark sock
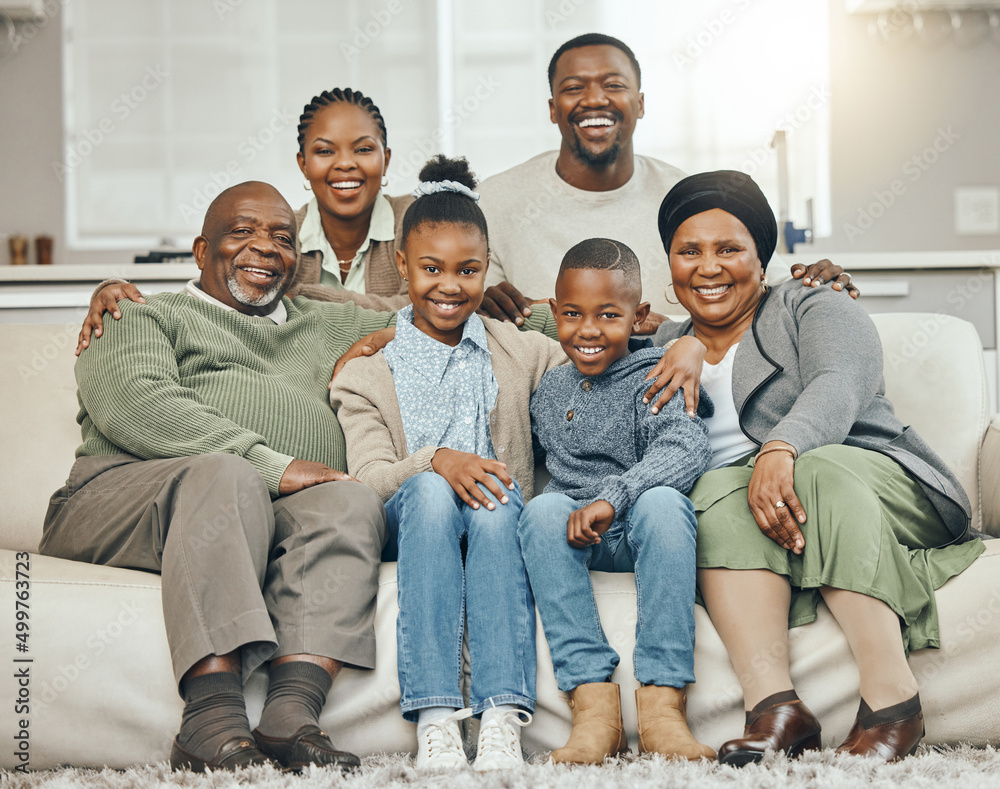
column 295, row 697
column 897, row 712
column 214, row 711
column 783, row 697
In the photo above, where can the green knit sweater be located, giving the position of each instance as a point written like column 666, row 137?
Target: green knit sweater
column 179, row 376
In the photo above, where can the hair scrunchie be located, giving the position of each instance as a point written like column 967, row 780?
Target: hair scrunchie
column 433, row 187
column 735, row 193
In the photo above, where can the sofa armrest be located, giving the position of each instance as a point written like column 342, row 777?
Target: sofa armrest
column 989, row 473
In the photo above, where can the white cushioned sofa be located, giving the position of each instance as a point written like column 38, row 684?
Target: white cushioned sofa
column 100, row 688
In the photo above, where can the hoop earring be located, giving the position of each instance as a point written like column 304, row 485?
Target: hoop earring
column 385, row 180
column 666, row 298
column 306, row 185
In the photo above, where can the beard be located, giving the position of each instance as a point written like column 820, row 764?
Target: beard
column 598, row 159
column 250, row 296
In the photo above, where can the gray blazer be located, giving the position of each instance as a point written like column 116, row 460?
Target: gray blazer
column 812, row 376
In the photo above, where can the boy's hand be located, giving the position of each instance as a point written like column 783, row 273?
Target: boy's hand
column 465, row 472
column 586, row 525
column 105, row 300
column 679, row 367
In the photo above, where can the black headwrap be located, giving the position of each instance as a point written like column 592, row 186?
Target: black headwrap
column 733, row 192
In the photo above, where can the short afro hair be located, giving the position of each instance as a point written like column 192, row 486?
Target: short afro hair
column 594, row 40
column 606, row 254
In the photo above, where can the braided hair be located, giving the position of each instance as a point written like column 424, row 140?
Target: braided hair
column 336, row 96
column 445, row 207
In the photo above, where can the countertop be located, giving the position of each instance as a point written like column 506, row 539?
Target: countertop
column 95, row 273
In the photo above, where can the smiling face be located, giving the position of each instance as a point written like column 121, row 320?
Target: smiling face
column 445, row 265
column 246, row 252
column 344, row 160
column 595, row 310
column 716, row 272
column 596, row 103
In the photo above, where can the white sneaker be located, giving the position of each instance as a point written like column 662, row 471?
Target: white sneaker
column 439, row 744
column 500, row 742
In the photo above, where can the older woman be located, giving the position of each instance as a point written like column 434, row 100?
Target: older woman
column 820, row 492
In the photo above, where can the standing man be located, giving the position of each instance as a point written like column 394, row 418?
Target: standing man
column 210, row 455
column 594, row 185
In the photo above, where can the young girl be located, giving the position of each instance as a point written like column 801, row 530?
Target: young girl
column 437, row 424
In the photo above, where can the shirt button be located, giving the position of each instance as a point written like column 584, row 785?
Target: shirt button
column 569, row 415
column 500, row 450
column 586, row 386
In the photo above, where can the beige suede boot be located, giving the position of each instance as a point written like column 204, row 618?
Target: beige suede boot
column 663, row 724
column 598, row 731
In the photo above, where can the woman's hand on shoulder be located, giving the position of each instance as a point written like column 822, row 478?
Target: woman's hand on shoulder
column 823, row 271
column 366, row 346
column 680, row 367
column 772, row 498
column 105, row 300
column 465, row 472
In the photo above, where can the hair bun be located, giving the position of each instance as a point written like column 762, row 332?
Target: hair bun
column 441, row 168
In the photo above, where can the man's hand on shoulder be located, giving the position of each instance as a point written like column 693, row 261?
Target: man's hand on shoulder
column 302, row 474
column 366, row 346
column 823, row 271
column 506, row 303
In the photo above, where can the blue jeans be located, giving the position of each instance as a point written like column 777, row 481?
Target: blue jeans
column 658, row 545
column 438, row 594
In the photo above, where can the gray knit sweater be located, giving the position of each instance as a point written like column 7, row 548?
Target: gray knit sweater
column 602, row 442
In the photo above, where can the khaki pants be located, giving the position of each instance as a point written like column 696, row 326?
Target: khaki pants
column 239, row 571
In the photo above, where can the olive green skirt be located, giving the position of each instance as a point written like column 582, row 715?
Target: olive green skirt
column 869, row 528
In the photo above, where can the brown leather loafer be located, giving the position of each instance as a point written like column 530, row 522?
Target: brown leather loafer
column 786, row 726
column 890, row 734
column 236, row 752
column 309, row 745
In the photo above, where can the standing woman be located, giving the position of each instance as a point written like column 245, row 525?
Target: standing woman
column 348, row 231
column 819, row 491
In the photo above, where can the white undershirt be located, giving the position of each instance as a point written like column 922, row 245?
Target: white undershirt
column 279, row 314
column 724, row 435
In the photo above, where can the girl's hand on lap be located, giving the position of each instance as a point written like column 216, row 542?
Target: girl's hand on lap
column 465, row 472
column 586, row 525
column 680, row 367
column 771, row 483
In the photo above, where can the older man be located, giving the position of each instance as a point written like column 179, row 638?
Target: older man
column 210, row 455
column 594, row 185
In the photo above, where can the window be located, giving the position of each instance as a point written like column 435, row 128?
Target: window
column 169, row 101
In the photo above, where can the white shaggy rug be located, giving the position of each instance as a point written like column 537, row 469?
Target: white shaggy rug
column 928, row 769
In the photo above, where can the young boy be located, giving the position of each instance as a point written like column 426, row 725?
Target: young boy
column 616, row 503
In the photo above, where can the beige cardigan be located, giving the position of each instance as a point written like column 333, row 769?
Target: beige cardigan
column 385, row 290
column 364, row 396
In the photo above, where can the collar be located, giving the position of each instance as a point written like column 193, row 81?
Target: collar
column 279, row 314
column 427, row 354
column 381, row 228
